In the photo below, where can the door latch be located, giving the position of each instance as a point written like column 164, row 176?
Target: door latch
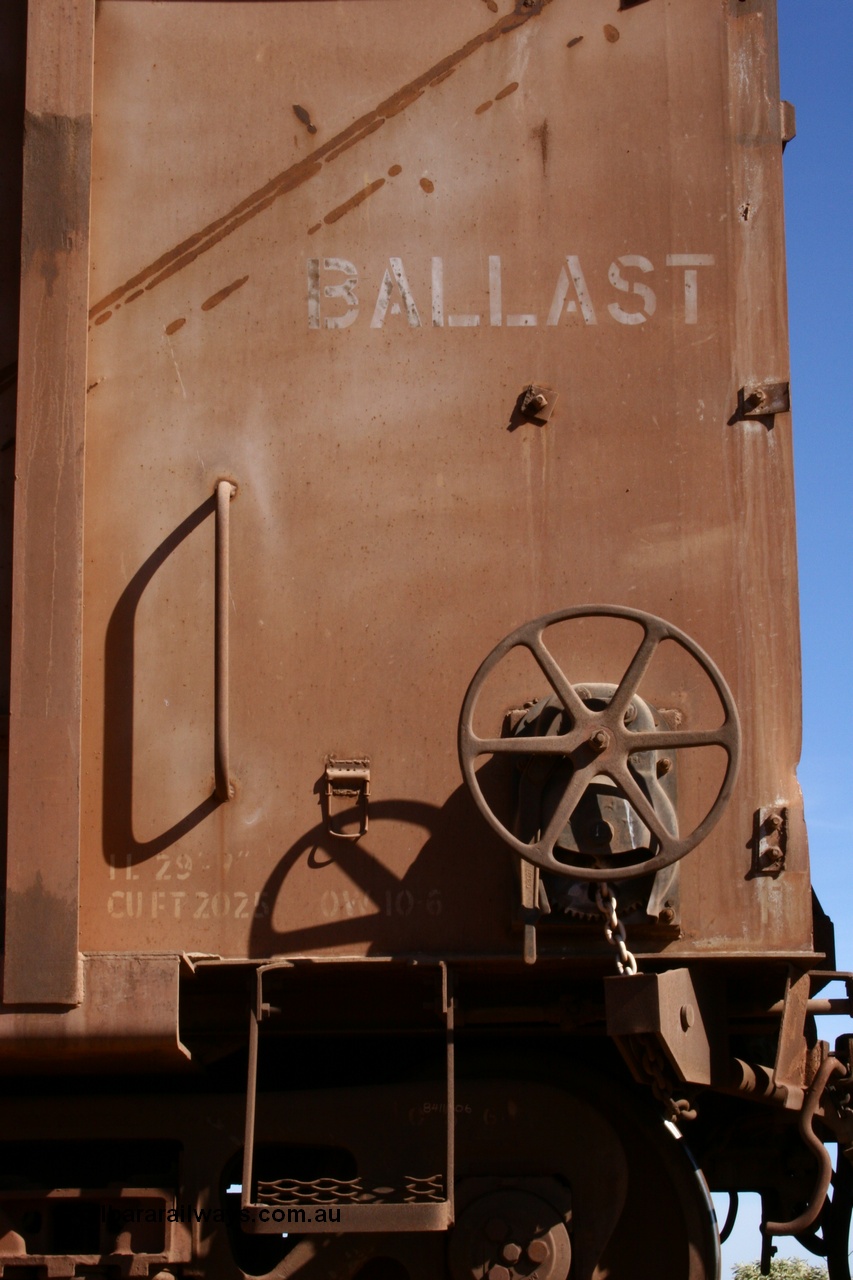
column 346, row 791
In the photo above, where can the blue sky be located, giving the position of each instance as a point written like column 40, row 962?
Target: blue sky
column 816, row 54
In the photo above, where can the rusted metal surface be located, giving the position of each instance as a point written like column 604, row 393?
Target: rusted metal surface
column 640, row 1173
column 684, row 1014
column 42, row 879
column 405, row 336
column 127, row 1016
column 105, row 1214
column 791, row 1065
column 13, row 28
column 505, row 1234
column 800, row 1224
column 351, row 340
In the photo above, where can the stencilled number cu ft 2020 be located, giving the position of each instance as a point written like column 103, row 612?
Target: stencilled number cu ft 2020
column 178, row 904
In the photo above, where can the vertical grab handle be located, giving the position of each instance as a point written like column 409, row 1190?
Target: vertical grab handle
column 225, row 491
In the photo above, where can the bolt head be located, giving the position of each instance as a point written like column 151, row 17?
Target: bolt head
column 663, row 766
column 630, row 714
column 511, row 1253
column 499, row 1273
column 537, row 1251
column 599, row 741
column 688, row 1016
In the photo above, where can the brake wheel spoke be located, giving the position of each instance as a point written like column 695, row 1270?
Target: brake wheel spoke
column 561, row 745
column 639, row 801
column 568, row 803
column 675, row 739
column 637, row 668
column 558, row 680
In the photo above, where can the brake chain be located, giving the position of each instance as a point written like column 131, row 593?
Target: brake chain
column 614, row 929
column 657, row 1071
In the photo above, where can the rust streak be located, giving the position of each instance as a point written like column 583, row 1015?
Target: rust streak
column 354, row 201
column 443, row 76
column 202, row 245
column 504, row 93
column 484, row 106
column 181, row 255
column 221, row 294
column 541, row 132
column 316, row 227
column 175, row 325
column 402, row 99
column 377, row 124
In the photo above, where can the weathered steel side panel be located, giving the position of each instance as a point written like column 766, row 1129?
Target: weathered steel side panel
column 44, row 770
column 332, row 245
column 545, row 194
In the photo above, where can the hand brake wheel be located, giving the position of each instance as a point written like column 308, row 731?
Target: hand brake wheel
column 599, row 742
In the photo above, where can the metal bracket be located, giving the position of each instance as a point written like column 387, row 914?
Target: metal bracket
column 762, row 399
column 537, row 403
column 348, row 781
column 682, row 1012
column 791, row 1065
column 769, row 840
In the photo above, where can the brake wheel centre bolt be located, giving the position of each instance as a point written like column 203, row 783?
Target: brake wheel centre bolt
column 599, row 741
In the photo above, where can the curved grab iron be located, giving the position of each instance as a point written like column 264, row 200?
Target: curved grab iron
column 796, row 1226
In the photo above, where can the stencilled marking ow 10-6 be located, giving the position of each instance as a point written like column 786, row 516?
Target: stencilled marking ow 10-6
column 630, row 274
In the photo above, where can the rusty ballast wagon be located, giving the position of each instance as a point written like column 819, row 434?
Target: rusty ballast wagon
column 406, row 873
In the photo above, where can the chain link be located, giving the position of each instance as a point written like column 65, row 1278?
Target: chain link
column 657, row 1072
column 650, row 1058
column 614, row 929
